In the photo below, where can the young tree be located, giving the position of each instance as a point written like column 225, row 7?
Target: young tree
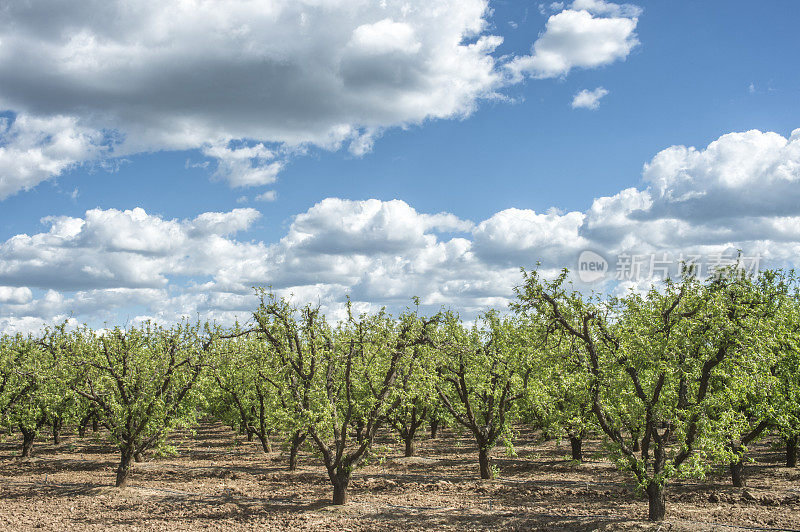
column 38, row 385
column 785, row 344
column 557, row 395
column 140, row 382
column 340, row 378
column 22, row 398
column 415, row 398
column 655, row 356
column 242, row 394
column 745, row 399
column 482, row 372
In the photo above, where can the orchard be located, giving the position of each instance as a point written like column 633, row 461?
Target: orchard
column 673, row 383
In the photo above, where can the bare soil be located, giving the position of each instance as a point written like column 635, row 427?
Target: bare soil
column 219, row 481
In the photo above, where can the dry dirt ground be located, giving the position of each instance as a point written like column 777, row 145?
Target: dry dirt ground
column 220, row 482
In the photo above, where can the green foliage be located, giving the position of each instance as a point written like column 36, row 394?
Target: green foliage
column 676, row 379
column 482, row 373
column 141, row 382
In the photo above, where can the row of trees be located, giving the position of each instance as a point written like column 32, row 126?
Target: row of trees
column 676, row 380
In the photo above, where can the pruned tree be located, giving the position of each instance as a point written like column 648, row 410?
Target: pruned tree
column 33, row 389
column 241, row 393
column 341, row 378
column 655, row 356
column 482, row 374
column 140, row 381
column 414, row 398
column 557, row 395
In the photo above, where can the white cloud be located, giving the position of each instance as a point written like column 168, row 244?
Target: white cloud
column 739, row 174
column 384, row 37
column 244, row 166
column 251, row 84
column 742, row 191
column 282, row 74
column 15, row 295
column 269, row 195
column 121, row 249
column 601, row 7
column 587, row 35
column 519, row 236
column 587, row 99
column 336, row 226
column 33, row 150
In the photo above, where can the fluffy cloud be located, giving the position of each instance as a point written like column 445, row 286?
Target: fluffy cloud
column 35, row 149
column 336, row 226
column 269, row 195
column 742, row 191
column 121, row 249
column 591, row 33
column 752, row 173
column 587, row 99
column 252, row 83
column 99, row 266
column 518, row 237
column 15, row 295
column 168, row 75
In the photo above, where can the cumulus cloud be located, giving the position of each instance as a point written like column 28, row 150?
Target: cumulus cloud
column 33, row 150
column 709, row 201
column 589, row 34
column 336, row 226
column 238, row 80
column 15, row 294
column 587, row 99
column 518, row 237
column 121, row 249
column 251, row 84
column 751, row 173
column 244, row 166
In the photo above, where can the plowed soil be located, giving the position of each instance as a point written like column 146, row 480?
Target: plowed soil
column 219, row 481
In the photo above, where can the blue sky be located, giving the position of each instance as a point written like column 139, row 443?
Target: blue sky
column 688, row 74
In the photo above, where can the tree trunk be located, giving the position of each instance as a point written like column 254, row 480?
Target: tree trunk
column 297, row 441
column 340, row 480
column 434, row 428
column 124, row 469
column 95, row 424
column 82, row 427
column 484, row 462
column 737, row 473
column 250, row 436
column 576, row 442
column 56, row 431
column 27, row 442
column 656, row 502
column 636, row 447
column 791, row 451
column 409, row 446
column 266, row 446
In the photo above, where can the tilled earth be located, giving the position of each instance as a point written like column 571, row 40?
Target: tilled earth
column 218, row 481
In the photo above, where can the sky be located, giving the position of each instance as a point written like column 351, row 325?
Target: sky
column 159, row 159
